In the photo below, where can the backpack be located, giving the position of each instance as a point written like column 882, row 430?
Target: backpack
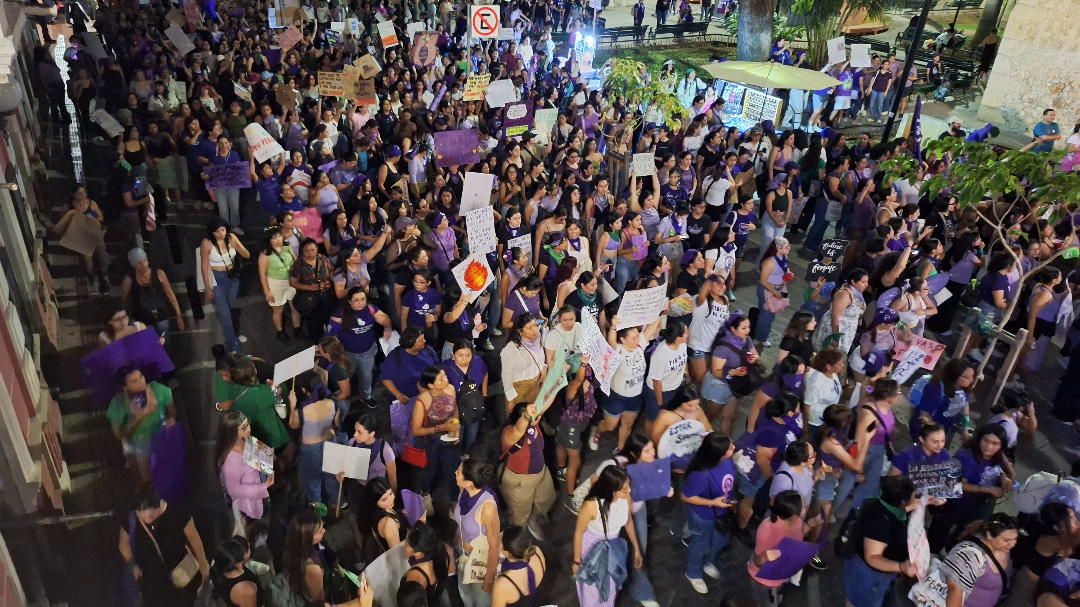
column 762, row 499
column 846, row 542
column 280, row 594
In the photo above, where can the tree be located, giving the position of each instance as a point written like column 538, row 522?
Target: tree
column 755, row 30
column 987, row 21
column 627, row 79
column 825, row 19
column 995, row 184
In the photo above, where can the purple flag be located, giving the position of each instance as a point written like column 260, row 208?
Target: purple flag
column 142, row 349
column 168, row 472
column 414, row 506
column 456, row 148
column 794, row 555
column 651, row 480
column 438, row 98
column 916, row 121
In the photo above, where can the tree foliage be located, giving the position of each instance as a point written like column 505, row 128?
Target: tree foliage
column 825, row 19
column 626, row 80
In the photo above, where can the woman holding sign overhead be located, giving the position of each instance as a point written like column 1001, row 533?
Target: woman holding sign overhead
column 228, row 198
column 313, row 413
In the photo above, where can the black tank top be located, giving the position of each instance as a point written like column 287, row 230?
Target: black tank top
column 148, row 303
column 224, row 589
column 526, row 599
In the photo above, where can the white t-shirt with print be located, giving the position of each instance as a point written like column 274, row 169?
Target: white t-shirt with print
column 629, row 376
column 668, row 366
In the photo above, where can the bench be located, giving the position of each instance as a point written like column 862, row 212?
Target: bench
column 697, row 29
column 962, row 5
column 960, row 72
column 879, row 47
column 561, row 39
column 903, row 38
column 629, row 33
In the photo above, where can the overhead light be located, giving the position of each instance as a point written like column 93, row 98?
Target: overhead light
column 11, row 95
column 14, row 187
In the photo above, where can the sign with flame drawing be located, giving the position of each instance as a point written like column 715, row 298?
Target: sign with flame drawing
column 473, row 276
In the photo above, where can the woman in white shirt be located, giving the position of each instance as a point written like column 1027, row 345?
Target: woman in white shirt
column 523, row 366
column 563, row 335
column 603, row 515
column 667, row 368
column 823, row 387
column 623, row 405
column 709, row 314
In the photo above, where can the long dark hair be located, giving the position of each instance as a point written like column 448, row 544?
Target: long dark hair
column 712, row 451
column 229, row 554
column 228, row 431
column 949, row 375
column 610, row 481
column 423, row 538
column 959, row 248
column 997, row 430
column 300, row 547
column 635, row 444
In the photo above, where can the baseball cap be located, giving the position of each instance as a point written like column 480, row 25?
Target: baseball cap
column 955, row 119
column 874, row 361
column 136, row 256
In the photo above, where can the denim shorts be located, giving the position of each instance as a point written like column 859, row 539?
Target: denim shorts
column 715, row 390
column 826, row 487
column 696, row 354
column 568, row 436
column 749, row 488
column 616, row 404
column 652, row 408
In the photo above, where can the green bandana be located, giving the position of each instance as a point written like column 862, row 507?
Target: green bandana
column 899, row 513
column 588, row 300
column 556, row 256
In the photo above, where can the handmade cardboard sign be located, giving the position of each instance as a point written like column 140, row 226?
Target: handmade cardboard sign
column 456, row 148
column 235, row 175
column 475, row 87
column 331, row 84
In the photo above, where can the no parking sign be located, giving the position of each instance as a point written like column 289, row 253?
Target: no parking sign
column 483, row 22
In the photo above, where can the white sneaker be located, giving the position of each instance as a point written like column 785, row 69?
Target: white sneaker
column 649, row 604
column 766, row 344
column 594, row 441
column 699, row 585
column 242, row 338
column 710, row 570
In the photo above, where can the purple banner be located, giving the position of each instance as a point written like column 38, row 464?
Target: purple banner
column 794, row 555
column 142, row 349
column 168, row 473
column 235, row 175
column 518, row 117
column 456, row 148
column 438, row 97
column 916, row 122
column 650, row 480
column 273, row 57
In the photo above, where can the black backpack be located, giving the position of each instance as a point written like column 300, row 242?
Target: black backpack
column 847, row 540
column 762, row 499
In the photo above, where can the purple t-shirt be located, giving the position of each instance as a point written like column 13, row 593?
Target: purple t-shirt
column 420, row 305
column 477, row 371
column 406, row 374
column 993, row 282
column 711, row 484
column 738, row 223
column 794, row 382
column 732, row 360
column 356, row 334
column 513, row 303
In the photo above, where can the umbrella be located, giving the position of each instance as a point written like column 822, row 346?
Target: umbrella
column 770, row 75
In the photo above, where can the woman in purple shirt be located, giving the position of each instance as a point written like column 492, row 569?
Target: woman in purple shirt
column 422, row 306
column 466, row 369
column 878, row 411
column 525, row 297
column 355, row 327
column 400, row 372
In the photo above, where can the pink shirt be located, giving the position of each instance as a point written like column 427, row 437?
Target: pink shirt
column 769, row 535
column 243, row 485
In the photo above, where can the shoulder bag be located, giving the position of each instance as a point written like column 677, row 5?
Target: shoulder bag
column 182, row 574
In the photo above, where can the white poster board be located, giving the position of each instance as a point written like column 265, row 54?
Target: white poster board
column 681, row 439
column 355, row 27
column 912, row 362
column 506, row 33
column 183, row 44
column 644, row 164
column 918, row 545
column 414, row 28
column 353, row 461
column 603, row 359
column 543, row 123
column 860, row 55
column 476, row 192
column 642, row 307
column 480, row 227
column 107, row 122
column 388, row 34
column 837, row 50
column 294, row 365
column 262, row 146
column 337, row 26
column 523, row 242
column 473, row 275
column 501, row 92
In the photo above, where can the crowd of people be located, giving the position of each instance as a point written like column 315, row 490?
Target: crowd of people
column 467, row 479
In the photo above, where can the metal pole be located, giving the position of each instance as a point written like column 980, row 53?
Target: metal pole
column 909, row 60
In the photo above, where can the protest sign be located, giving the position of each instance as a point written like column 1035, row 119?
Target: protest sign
column 261, row 145
column 908, row 365
column 501, row 92
column 355, row 27
column 235, row 175
column 932, row 591
column 506, row 33
column 353, row 461
column 543, row 121
column 191, row 12
column 918, row 545
column 299, row 181
column 794, row 555
column 933, row 350
column 650, row 480
column 837, row 50
column 473, row 276
column 365, row 93
column 288, row 38
column 183, row 44
column 142, row 349
column 337, row 26
column 388, row 34
column 644, row 164
column 369, row 68
column 350, row 79
column 416, row 27
column 331, row 84
column 518, row 117
column 294, row 365
column 642, row 307
column 554, row 381
column 817, row 269
column 93, row 44
column 425, row 49
column 259, row 455
column 480, row 227
column 271, row 18
column 525, row 51
column 176, row 16
column 832, row 249
column 332, row 38
column 938, row 481
column 384, row 574
column 241, row 92
column 456, row 148
column 523, row 242
column 107, row 122
column 476, row 191
column 83, row 235
column 860, row 55
column 475, row 87
column 309, row 222
column 682, row 439
column 602, row 357
column 413, row 506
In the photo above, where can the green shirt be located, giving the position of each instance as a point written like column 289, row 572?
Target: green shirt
column 258, row 405
column 278, row 263
column 120, row 415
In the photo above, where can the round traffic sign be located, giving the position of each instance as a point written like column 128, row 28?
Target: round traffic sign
column 485, row 21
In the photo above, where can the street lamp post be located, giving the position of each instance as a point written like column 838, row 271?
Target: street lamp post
column 909, row 60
